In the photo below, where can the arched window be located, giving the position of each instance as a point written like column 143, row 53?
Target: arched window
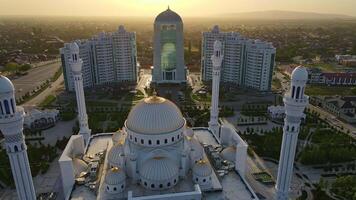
column 196, row 179
column 122, row 186
column 114, row 188
column 168, row 184
column 135, row 139
column 157, row 142
column 149, row 142
column 152, row 185
column 12, row 106
column 298, row 91
column 142, row 141
column 293, row 90
column 172, row 139
column 7, row 107
column 165, row 141
column 178, row 137
column 175, row 180
column 16, row 148
column 145, row 183
column 292, row 128
column 160, row 185
column 1, row 111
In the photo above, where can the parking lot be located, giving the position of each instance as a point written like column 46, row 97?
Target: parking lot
column 34, row 78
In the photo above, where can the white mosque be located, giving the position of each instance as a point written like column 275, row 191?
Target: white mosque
column 155, row 156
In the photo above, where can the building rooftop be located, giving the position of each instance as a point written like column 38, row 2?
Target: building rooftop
column 230, row 186
column 168, row 16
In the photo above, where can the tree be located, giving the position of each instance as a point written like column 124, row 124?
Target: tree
column 11, row 67
column 25, row 67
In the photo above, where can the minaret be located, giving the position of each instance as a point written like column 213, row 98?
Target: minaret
column 76, row 65
column 216, row 58
column 11, row 126
column 295, row 102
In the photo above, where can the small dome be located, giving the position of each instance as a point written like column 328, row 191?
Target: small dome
column 197, row 149
column 168, row 16
column 115, row 154
column 189, row 132
column 6, row 85
column 159, row 169
column 202, row 168
column 115, row 176
column 229, row 153
column 74, row 47
column 154, row 115
column 300, row 74
column 118, row 137
column 79, row 166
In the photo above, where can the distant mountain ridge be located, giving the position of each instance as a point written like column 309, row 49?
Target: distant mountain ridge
column 283, row 14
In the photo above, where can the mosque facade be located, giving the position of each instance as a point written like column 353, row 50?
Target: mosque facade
column 168, row 49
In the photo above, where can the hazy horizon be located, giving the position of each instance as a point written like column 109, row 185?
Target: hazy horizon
column 186, row 8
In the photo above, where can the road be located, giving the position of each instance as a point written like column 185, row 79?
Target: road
column 323, row 114
column 48, row 91
column 145, row 80
column 336, row 123
column 35, row 77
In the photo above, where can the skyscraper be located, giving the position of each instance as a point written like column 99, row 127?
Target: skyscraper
column 168, row 58
column 247, row 63
column 107, row 58
column 295, row 102
column 11, row 125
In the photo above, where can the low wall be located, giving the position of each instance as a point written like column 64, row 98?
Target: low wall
column 194, row 195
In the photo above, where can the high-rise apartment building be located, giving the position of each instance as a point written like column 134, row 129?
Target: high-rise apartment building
column 247, row 63
column 107, row 58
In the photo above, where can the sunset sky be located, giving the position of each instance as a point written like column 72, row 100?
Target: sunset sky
column 184, row 7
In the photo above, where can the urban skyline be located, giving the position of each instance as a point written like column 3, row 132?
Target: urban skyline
column 187, row 8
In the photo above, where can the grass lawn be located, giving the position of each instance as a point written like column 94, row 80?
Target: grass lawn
column 48, row 101
column 328, row 67
column 101, row 103
column 314, row 90
column 276, row 83
column 202, row 97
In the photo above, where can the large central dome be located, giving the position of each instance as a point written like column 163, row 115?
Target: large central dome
column 155, row 115
column 168, row 16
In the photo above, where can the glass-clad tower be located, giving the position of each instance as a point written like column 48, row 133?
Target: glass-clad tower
column 168, row 58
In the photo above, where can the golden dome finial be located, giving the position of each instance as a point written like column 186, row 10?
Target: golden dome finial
column 154, row 98
column 115, row 169
column 202, row 161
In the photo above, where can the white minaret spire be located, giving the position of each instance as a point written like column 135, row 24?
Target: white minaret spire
column 295, row 102
column 76, row 65
column 216, row 58
column 11, row 126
